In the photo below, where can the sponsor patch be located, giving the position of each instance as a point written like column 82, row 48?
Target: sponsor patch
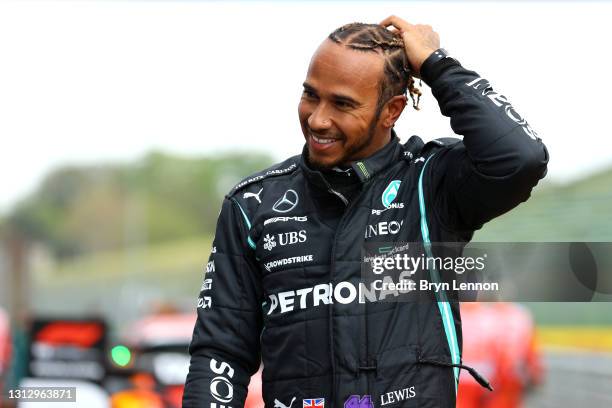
column 392, row 205
column 397, row 396
column 284, row 238
column 287, row 202
column 253, row 195
column 204, row 302
column 383, row 228
column 221, row 388
column 207, row 284
column 390, row 193
column 287, row 261
column 356, row 401
column 502, row 102
column 285, row 219
column 266, row 174
column 278, row 404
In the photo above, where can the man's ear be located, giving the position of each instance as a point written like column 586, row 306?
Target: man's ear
column 393, row 109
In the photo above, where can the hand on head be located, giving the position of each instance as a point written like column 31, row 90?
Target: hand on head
column 420, row 40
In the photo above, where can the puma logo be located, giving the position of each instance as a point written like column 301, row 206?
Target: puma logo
column 256, row 196
column 278, row 404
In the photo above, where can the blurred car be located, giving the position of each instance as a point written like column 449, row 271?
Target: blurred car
column 89, row 395
column 154, row 362
column 67, row 352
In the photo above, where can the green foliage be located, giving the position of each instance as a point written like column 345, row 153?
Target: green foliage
column 578, row 211
column 81, row 209
column 574, row 212
column 161, row 197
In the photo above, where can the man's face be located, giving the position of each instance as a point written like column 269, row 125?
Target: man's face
column 338, row 106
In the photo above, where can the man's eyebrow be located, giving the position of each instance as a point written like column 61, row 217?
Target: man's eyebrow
column 308, row 87
column 345, row 99
column 336, row 97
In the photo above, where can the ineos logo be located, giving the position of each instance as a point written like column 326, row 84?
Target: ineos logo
column 287, row 202
column 383, row 228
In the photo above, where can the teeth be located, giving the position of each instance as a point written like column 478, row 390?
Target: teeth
column 322, row 141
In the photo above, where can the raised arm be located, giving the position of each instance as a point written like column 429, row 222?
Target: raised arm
column 500, row 158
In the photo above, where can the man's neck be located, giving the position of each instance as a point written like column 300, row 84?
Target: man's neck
column 390, row 134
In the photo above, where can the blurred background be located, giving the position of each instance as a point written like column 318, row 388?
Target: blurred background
column 123, row 124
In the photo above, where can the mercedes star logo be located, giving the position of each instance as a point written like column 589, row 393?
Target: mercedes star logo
column 287, row 202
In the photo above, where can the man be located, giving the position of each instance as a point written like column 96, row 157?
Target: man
column 286, row 257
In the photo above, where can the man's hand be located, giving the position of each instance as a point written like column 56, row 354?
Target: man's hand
column 420, row 40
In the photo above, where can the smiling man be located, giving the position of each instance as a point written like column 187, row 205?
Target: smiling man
column 283, row 279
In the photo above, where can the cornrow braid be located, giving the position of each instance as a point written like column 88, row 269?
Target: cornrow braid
column 398, row 79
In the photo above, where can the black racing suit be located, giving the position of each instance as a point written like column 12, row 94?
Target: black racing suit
column 287, row 256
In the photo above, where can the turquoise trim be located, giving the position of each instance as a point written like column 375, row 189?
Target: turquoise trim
column 443, row 305
column 248, row 223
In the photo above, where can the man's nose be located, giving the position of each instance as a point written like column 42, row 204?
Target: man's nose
column 319, row 120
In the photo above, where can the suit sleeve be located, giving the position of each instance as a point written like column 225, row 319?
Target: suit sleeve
column 225, row 348
column 500, row 159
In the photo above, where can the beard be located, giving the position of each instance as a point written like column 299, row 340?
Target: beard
column 347, row 155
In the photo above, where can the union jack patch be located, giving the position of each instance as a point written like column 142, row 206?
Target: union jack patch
column 314, row 403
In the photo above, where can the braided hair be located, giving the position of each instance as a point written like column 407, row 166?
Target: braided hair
column 397, row 79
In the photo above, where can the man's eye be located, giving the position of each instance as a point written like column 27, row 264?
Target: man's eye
column 309, row 94
column 343, row 104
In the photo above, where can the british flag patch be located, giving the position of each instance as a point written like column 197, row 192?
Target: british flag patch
column 314, row 403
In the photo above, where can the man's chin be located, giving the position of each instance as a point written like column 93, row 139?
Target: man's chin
column 322, row 163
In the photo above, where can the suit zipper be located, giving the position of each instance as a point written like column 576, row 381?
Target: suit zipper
column 331, row 273
column 340, row 196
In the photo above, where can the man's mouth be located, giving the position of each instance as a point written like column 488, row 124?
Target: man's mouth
column 323, row 144
column 323, row 140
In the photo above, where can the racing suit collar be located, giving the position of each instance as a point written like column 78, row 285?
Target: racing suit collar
column 368, row 167
column 365, row 169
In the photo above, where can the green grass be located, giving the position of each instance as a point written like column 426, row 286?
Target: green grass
column 167, row 259
column 578, row 211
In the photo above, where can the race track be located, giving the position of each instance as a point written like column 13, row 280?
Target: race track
column 575, row 379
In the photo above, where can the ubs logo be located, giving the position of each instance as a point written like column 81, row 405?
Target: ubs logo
column 287, row 202
column 285, row 238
